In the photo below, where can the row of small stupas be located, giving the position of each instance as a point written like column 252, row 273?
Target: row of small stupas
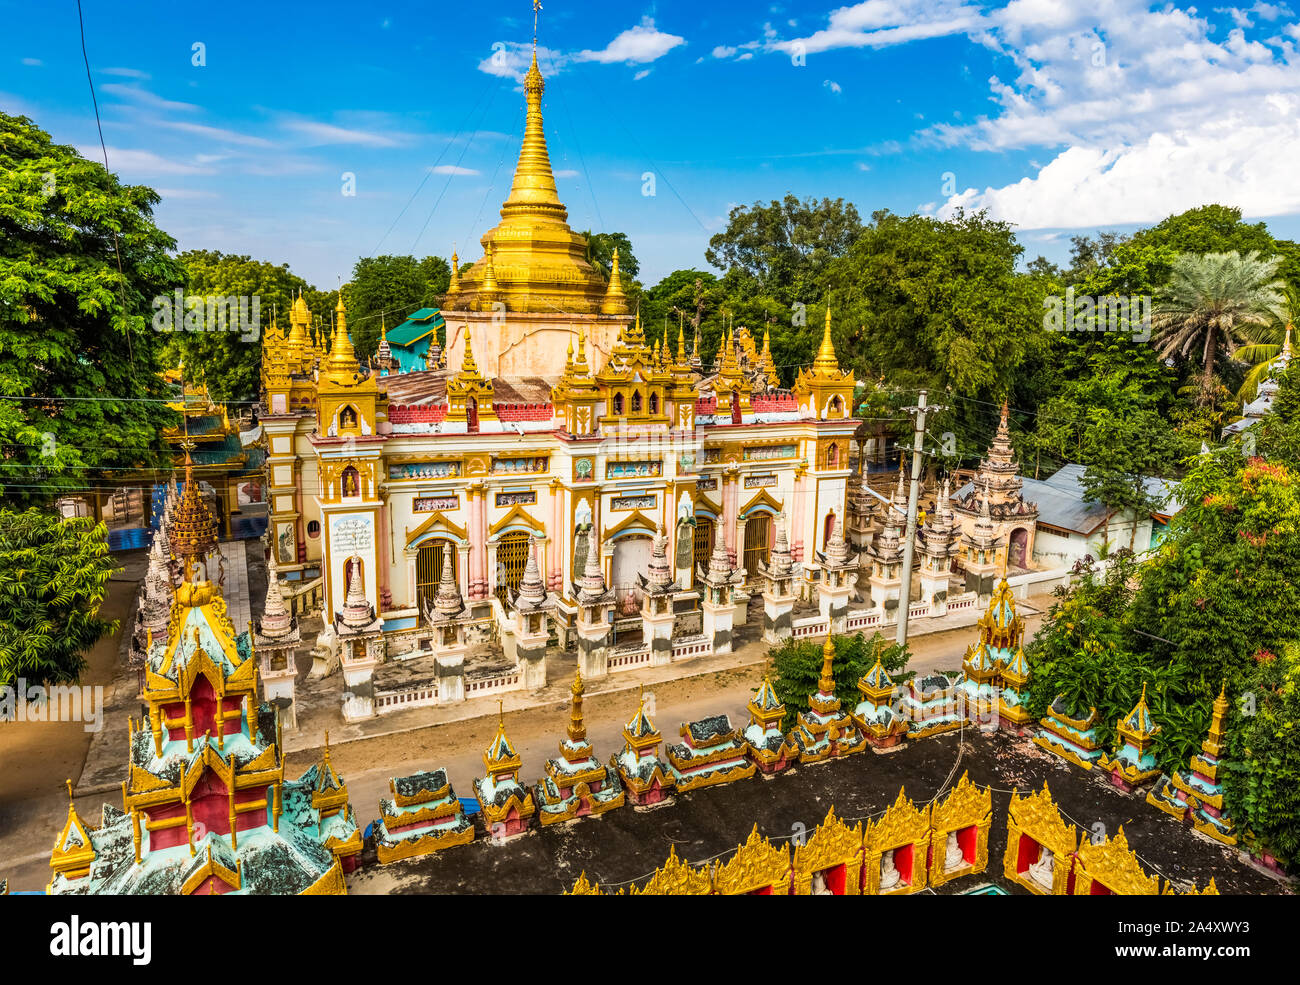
column 907, row 849
column 988, row 693
column 206, row 807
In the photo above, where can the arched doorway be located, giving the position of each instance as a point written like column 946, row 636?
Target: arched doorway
column 758, row 545
column 1019, row 547
column 512, row 558
column 631, row 558
column 471, row 415
column 736, row 416
column 428, row 569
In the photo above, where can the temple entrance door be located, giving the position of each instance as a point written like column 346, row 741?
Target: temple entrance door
column 735, row 408
column 1019, row 544
column 705, row 531
column 631, row 557
column 471, row 414
column 512, row 557
column 428, row 570
column 758, row 545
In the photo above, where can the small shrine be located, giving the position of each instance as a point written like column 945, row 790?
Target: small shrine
column 931, row 705
column 1110, row 868
column 719, row 583
column 758, row 868
column 422, row 816
column 595, row 602
column 710, row 752
column 657, row 593
column 275, row 640
column 576, row 783
column 874, row 716
column 644, row 776
column 824, row 730
column 360, row 633
column 829, row 863
column 1196, row 796
column 994, row 668
column 778, row 588
column 1040, row 845
column 839, row 574
column 765, row 743
column 1073, row 739
column 449, row 621
column 534, row 607
column 507, row 804
column 959, row 839
column 895, row 850
column 1134, row 762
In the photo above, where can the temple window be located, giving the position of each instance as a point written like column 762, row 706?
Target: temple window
column 837, row 407
column 833, row 457
column 313, row 529
column 348, row 419
column 654, row 403
column 618, row 403
column 636, row 402
column 351, row 482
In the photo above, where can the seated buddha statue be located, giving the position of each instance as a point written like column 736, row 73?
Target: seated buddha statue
column 819, row 887
column 952, row 857
column 1042, row 870
column 889, row 875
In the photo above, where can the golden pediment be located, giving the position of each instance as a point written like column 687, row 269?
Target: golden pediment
column 518, row 516
column 1114, row 865
column 1037, row 816
column 762, row 499
column 636, row 520
column 676, row 878
column 902, row 824
column 436, row 522
column 832, row 843
column 966, row 804
column 757, row 865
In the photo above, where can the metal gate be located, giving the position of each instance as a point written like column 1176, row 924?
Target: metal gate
column 512, row 557
column 705, row 530
column 758, row 545
column 428, row 570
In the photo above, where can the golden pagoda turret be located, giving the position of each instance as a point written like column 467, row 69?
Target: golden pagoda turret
column 615, row 301
column 347, row 400
column 342, row 366
column 825, row 730
column 766, row 365
column 507, row 804
column 824, row 392
column 575, row 783
column 192, row 532
column 453, row 286
column 469, row 393
column 1196, row 795
column 73, row 850
column 1134, row 762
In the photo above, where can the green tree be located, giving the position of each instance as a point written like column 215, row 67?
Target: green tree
column 600, row 251
column 1262, row 776
column 54, row 575
column 80, row 397
column 798, row 665
column 786, row 246
column 385, row 289
column 229, row 363
column 1209, row 302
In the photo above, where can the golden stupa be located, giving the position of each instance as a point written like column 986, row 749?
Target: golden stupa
column 533, row 261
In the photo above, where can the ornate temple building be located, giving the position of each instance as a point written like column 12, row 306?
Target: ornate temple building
column 206, row 807
column 547, row 419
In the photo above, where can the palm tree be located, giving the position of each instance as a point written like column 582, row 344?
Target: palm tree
column 1208, row 304
column 1266, row 345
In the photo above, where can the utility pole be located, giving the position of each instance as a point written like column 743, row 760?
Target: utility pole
column 909, row 539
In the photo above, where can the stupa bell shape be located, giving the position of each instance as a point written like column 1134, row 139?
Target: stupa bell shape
column 532, row 590
column 660, row 575
column 276, row 620
column 591, row 586
column 782, row 563
column 356, row 609
column 447, row 602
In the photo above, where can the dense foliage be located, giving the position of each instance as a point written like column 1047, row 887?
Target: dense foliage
column 798, row 666
column 54, row 574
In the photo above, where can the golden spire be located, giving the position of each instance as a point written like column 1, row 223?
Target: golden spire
column 768, row 366
column 193, row 532
column 342, row 365
column 577, row 730
column 533, row 191
column 454, row 285
column 615, row 301
column 681, row 345
column 827, row 682
column 826, row 363
column 468, row 367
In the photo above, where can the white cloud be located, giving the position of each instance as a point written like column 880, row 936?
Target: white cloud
column 833, row 86
column 143, row 97
column 33, row 62
column 214, row 133
column 510, row 60
column 132, row 164
column 723, row 51
column 317, row 134
column 641, row 75
column 452, row 169
column 566, row 173
column 881, row 23
column 126, row 73
column 637, row 45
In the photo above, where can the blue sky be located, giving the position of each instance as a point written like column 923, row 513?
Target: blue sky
column 1058, row 116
